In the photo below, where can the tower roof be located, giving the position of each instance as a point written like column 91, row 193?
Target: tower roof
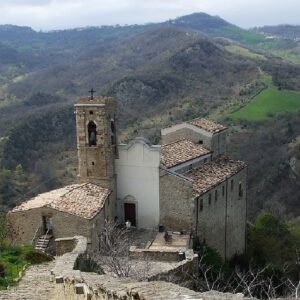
column 96, row 101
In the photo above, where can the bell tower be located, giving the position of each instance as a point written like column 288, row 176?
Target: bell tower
column 96, row 140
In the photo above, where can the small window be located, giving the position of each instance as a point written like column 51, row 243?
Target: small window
column 231, row 185
column 201, row 205
column 93, row 163
column 209, row 199
column 240, row 190
column 216, row 195
column 200, row 142
column 223, row 190
column 91, row 112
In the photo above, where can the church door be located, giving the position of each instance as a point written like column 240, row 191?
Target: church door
column 130, row 213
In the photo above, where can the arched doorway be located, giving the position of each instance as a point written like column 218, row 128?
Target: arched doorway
column 130, row 210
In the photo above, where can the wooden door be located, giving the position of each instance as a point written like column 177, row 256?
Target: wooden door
column 130, row 215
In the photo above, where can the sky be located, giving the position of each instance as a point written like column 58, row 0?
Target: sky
column 61, row 14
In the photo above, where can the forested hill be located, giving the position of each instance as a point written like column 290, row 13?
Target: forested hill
column 284, row 31
column 196, row 65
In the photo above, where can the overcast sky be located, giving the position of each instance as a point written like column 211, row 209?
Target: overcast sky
column 61, row 14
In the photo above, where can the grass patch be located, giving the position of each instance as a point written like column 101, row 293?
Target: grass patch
column 268, row 103
column 292, row 55
column 12, row 261
column 241, row 51
column 245, row 36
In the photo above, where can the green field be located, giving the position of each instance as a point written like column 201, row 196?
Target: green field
column 268, row 103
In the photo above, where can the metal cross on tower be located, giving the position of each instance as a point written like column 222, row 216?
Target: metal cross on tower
column 92, row 93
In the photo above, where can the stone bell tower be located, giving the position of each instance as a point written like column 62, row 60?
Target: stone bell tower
column 96, row 140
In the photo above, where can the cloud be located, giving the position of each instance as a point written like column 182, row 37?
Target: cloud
column 60, row 14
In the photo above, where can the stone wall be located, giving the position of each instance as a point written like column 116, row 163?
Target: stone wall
column 186, row 131
column 216, row 142
column 222, row 223
column 210, row 227
column 236, row 215
column 64, row 225
column 176, row 202
column 151, row 254
column 64, row 245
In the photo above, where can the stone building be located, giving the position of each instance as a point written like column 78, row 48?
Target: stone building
column 80, row 208
column 185, row 184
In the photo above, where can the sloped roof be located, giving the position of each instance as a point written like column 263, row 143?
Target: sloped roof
column 179, row 152
column 83, row 200
column 207, row 125
column 213, row 173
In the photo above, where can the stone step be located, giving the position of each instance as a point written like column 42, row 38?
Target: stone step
column 40, row 241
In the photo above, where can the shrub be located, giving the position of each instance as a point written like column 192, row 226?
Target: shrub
column 2, row 270
column 36, row 257
column 85, row 263
column 270, row 242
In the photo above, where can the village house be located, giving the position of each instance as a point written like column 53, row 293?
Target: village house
column 186, row 184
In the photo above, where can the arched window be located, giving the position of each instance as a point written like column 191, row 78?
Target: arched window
column 92, row 133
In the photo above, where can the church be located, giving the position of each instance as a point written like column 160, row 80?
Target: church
column 185, row 184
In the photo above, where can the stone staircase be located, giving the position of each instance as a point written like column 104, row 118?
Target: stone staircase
column 43, row 242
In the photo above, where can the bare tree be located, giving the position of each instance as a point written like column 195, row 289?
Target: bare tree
column 114, row 244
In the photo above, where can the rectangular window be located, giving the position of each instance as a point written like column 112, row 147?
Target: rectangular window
column 201, row 205
column 223, row 190
column 231, row 185
column 209, row 199
column 216, row 195
column 240, row 190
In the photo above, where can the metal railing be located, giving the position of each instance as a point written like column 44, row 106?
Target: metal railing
column 46, row 237
column 37, row 234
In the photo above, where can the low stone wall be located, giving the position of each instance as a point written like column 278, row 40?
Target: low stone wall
column 64, row 245
column 157, row 255
column 183, row 269
column 71, row 284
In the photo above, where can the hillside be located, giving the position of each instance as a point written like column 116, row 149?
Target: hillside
column 196, row 65
column 283, row 31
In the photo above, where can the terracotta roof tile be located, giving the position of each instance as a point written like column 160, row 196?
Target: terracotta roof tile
column 207, row 125
column 84, row 200
column 179, row 152
column 213, row 173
